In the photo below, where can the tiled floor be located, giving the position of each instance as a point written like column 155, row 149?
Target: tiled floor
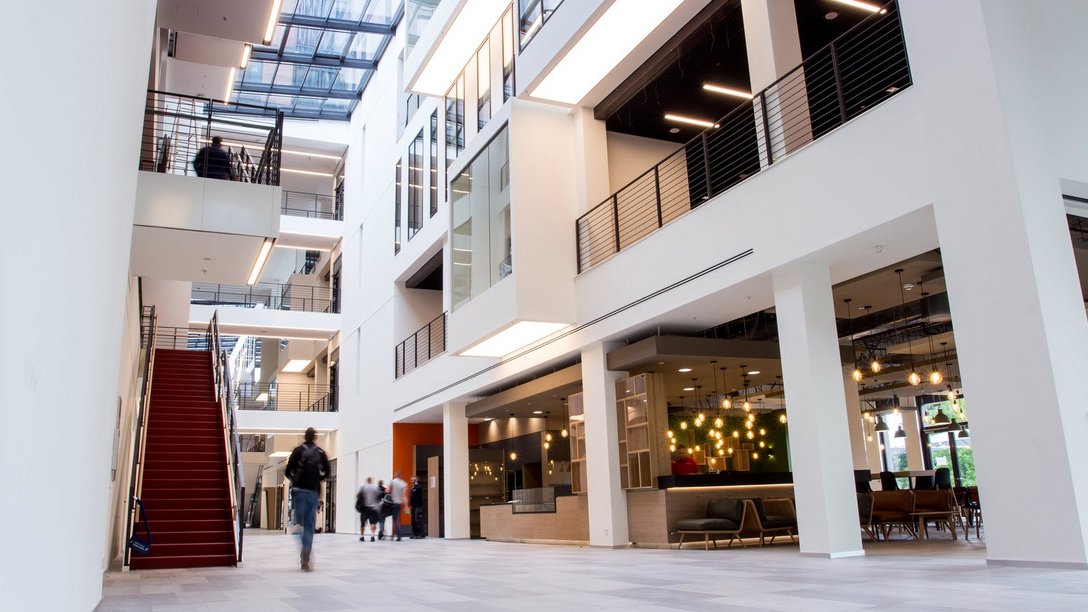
column 436, row 574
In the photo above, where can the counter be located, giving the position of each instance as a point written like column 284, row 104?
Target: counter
column 569, row 524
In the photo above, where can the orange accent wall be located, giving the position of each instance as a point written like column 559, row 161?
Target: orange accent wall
column 406, row 436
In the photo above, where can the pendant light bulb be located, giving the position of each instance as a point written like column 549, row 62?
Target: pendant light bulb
column 874, row 365
column 718, row 423
column 782, row 419
column 683, row 424
column 747, row 407
column 856, row 374
column 914, row 378
column 935, row 377
column 726, row 404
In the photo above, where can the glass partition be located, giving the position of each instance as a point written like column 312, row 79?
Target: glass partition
column 480, row 202
column 418, row 14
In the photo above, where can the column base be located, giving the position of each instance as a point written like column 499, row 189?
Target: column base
column 835, row 555
column 1070, row 565
column 610, row 546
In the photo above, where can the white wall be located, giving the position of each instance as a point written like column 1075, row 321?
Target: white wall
column 629, row 156
column 170, row 299
column 65, row 238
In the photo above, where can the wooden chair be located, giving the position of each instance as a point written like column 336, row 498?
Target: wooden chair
column 774, row 517
column 865, row 515
column 724, row 517
column 894, row 509
column 939, row 507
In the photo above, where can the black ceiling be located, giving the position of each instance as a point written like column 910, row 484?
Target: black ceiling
column 711, row 49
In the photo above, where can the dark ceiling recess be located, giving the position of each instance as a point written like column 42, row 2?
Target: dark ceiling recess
column 428, row 276
column 710, row 49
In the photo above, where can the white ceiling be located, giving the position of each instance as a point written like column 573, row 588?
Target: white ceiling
column 207, row 50
column 194, row 79
column 241, row 20
column 185, row 255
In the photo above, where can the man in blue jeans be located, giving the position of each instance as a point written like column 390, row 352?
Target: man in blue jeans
column 307, row 468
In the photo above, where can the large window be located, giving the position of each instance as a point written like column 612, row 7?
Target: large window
column 480, row 202
column 396, row 209
column 534, row 14
column 433, row 163
column 483, row 85
column 415, row 185
column 455, row 120
column 418, row 14
column 507, row 55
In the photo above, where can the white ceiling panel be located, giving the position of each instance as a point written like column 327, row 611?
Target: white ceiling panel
column 242, row 20
column 207, row 50
column 186, row 255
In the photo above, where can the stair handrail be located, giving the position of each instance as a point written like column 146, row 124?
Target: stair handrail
column 135, row 483
column 232, row 444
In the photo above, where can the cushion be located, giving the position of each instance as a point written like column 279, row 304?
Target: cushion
column 731, row 509
column 707, row 524
column 778, row 522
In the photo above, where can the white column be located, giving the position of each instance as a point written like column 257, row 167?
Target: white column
column 774, row 48
column 913, row 441
column 1031, row 458
column 607, row 501
column 853, row 420
column 819, row 436
column 872, row 446
column 455, row 471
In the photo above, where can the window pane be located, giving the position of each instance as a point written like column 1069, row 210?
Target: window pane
column 302, row 41
column 365, row 46
column 260, row 73
column 314, row 8
column 483, row 85
column 291, row 75
column 321, row 77
column 333, row 43
column 347, row 10
column 381, row 11
column 349, row 79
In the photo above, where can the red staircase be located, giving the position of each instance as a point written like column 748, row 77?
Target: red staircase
column 185, row 490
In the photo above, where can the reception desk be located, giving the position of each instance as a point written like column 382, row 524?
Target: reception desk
column 569, row 524
column 652, row 513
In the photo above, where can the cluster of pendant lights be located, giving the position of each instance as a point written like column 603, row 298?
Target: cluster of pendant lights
column 714, row 436
column 935, row 376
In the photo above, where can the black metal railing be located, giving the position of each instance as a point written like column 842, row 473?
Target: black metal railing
column 274, row 296
column 858, row 70
column 181, row 339
column 148, row 330
column 292, row 397
column 312, row 205
column 424, row 345
column 178, row 132
column 232, row 444
column 533, row 14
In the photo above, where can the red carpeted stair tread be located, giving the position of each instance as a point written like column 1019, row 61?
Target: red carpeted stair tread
column 185, row 487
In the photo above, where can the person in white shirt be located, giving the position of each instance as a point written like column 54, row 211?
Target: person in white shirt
column 397, row 489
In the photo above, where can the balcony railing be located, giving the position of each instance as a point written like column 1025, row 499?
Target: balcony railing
column 312, row 205
column 177, row 128
column 858, row 70
column 291, row 397
column 275, row 296
column 419, row 348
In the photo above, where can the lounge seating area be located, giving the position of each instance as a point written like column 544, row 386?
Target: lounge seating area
column 881, row 512
column 739, row 518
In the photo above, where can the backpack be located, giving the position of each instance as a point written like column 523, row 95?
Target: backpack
column 360, row 502
column 309, row 472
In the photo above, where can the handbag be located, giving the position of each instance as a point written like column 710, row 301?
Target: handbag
column 136, row 543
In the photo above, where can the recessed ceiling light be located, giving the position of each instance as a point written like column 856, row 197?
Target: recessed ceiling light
column 684, row 370
column 674, row 130
column 753, row 372
column 538, row 412
column 488, row 418
column 831, row 15
column 892, row 89
column 691, row 121
column 689, row 388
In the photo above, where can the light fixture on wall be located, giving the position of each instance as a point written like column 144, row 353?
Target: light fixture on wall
column 913, row 378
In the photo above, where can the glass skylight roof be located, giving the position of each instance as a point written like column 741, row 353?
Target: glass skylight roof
column 321, row 57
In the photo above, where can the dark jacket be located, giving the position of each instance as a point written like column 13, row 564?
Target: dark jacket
column 307, row 466
column 212, row 162
column 415, row 496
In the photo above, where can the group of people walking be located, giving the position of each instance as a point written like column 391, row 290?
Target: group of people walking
column 308, row 467
column 375, row 502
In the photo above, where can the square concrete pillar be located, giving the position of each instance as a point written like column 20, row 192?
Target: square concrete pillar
column 607, row 501
column 455, row 471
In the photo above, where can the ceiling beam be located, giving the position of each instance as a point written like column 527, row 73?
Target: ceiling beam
column 295, row 91
column 292, row 58
column 338, row 24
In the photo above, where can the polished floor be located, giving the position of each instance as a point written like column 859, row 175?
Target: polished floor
column 434, row 574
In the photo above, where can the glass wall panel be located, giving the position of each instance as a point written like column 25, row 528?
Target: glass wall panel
column 455, row 120
column 418, row 13
column 483, row 85
column 396, row 209
column 507, row 55
column 433, row 163
column 534, row 14
column 480, row 203
column 415, row 185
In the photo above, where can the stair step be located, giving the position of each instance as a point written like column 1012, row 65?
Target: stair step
column 179, row 525
column 160, row 536
column 173, row 562
column 158, row 493
column 194, row 510
column 185, row 464
column 153, row 457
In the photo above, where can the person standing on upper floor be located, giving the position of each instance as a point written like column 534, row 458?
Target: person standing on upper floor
column 415, row 502
column 307, row 468
column 397, row 489
column 213, row 162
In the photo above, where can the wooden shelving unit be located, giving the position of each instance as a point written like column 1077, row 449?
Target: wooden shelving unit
column 641, row 419
column 577, row 427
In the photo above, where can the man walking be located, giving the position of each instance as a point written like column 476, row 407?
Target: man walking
column 397, row 488
column 307, row 468
column 367, row 502
column 415, row 502
column 213, row 162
